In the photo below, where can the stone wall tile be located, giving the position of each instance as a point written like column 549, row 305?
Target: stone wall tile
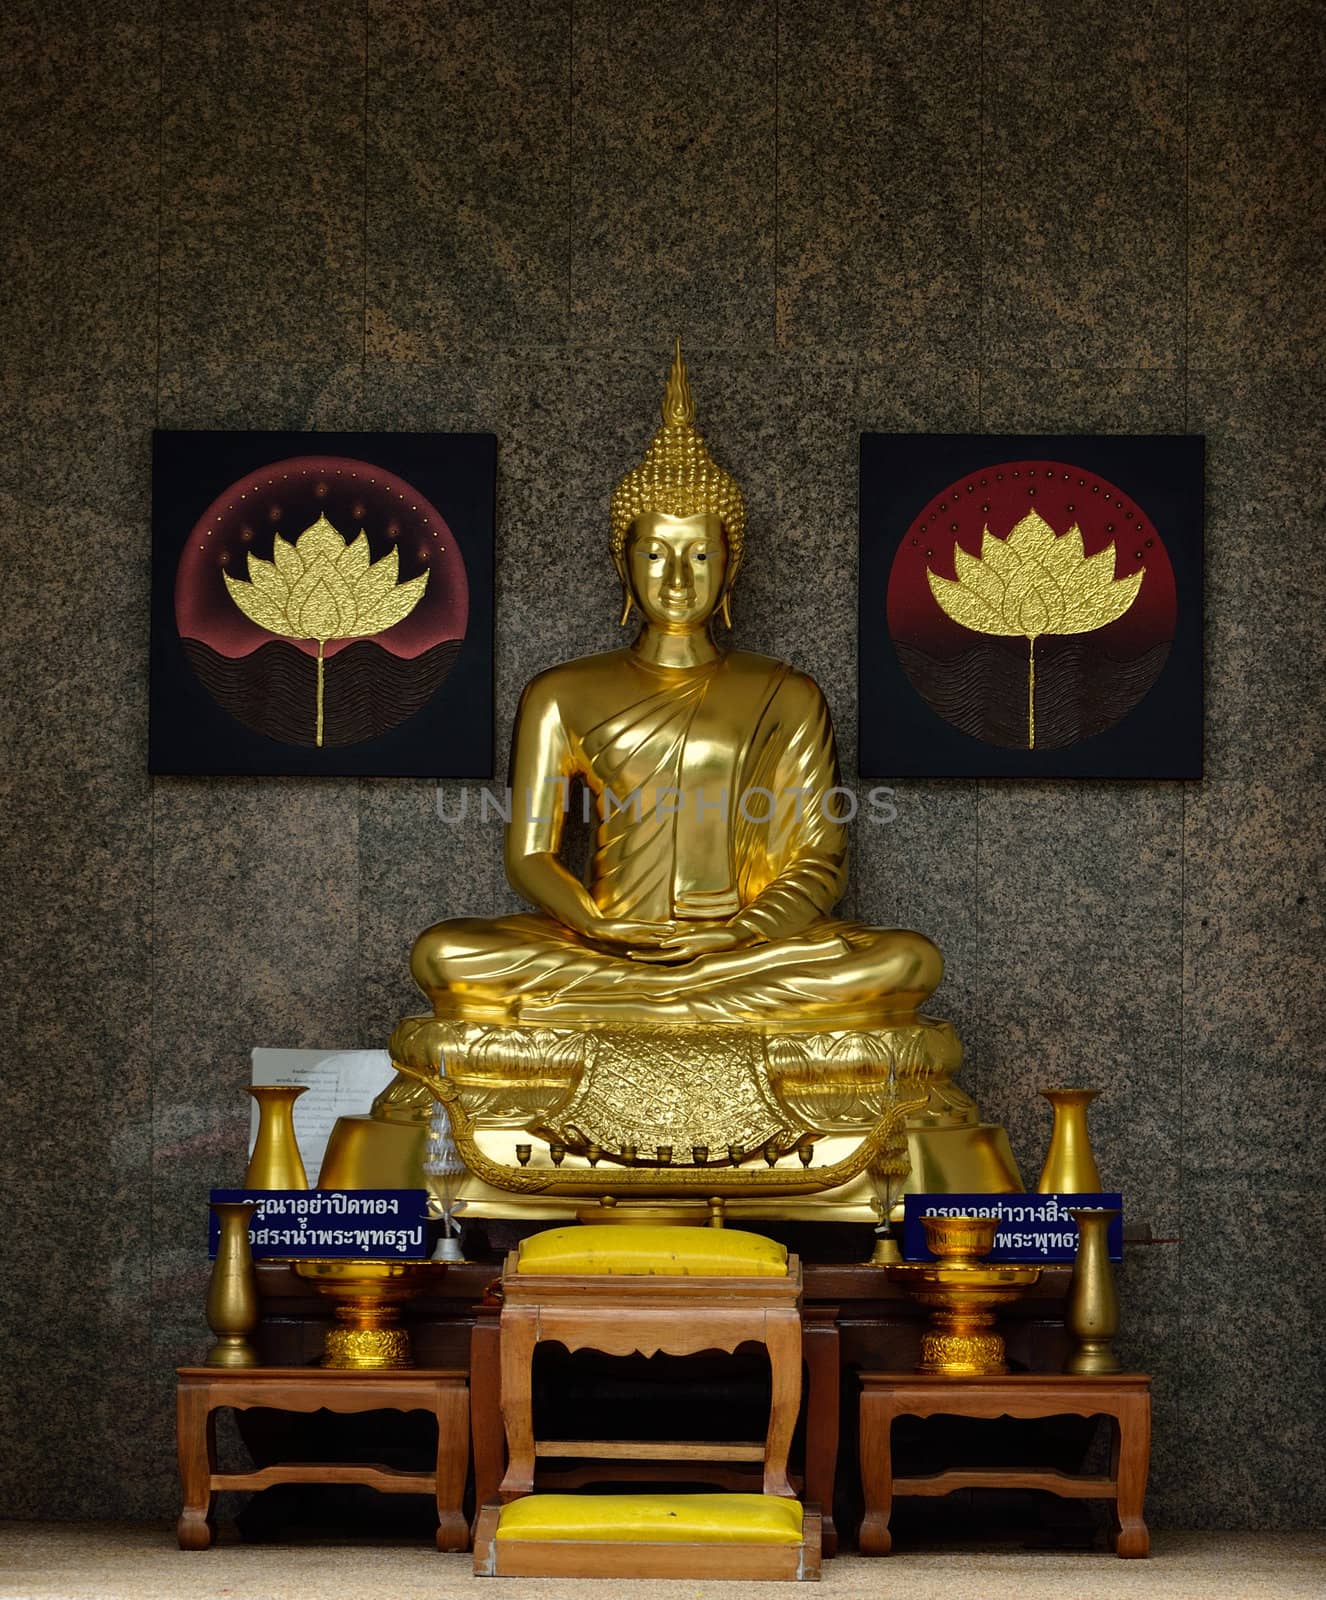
column 1082, row 184
column 1257, row 186
column 468, row 203
column 74, row 506
column 75, row 974
column 1044, row 399
column 1101, row 854
column 1251, row 1326
column 79, row 153
column 262, row 181
column 879, row 179
column 262, row 396
column 417, row 865
column 87, row 1440
column 1265, row 572
column 1254, row 978
column 672, row 173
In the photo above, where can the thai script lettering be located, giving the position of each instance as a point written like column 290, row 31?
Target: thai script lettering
column 1048, row 1211
column 333, row 1222
column 332, row 1202
column 400, row 1241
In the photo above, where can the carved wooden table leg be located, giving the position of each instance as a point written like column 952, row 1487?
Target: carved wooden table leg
column 819, row 1330
column 453, row 1421
column 520, row 1333
column 876, row 1452
column 486, row 1436
column 1131, row 1456
column 195, row 1434
column 783, row 1338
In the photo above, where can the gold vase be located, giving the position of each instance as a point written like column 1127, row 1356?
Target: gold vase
column 963, row 1292
column 368, row 1296
column 276, row 1162
column 1070, row 1164
column 232, row 1293
column 1093, row 1300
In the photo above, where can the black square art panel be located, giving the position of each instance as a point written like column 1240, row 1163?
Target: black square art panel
column 1031, row 606
column 322, row 603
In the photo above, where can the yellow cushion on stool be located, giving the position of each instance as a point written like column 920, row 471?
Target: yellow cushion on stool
column 654, row 1518
column 648, row 1250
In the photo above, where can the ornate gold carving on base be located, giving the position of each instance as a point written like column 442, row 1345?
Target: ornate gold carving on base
column 509, row 1075
column 1093, row 1300
column 643, row 1088
column 365, row 1348
column 619, row 1085
column 517, row 1079
column 631, row 1177
column 369, row 1296
column 952, row 1345
column 963, row 1292
column 838, row 1079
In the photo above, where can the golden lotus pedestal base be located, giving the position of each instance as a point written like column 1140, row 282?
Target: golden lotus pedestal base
column 369, row 1295
column 684, row 1086
column 963, row 1293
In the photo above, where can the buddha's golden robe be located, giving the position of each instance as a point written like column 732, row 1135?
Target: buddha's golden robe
column 714, row 791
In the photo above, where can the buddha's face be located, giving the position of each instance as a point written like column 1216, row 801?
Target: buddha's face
column 677, row 567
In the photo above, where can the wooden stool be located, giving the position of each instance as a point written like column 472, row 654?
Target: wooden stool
column 819, row 1344
column 203, row 1390
column 1124, row 1397
column 625, row 1315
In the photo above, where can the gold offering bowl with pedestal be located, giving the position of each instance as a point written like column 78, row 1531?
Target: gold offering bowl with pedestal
column 963, row 1292
column 368, row 1296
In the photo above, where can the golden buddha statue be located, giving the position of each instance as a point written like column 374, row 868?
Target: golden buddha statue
column 695, row 992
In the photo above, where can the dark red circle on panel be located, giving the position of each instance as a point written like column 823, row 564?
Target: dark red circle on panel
column 979, row 681
column 268, row 680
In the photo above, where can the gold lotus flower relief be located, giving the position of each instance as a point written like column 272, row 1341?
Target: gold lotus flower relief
column 324, row 587
column 1034, row 582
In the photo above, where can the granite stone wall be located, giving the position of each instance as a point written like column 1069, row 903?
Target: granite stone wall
column 936, row 215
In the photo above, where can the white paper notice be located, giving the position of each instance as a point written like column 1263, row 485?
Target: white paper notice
column 340, row 1083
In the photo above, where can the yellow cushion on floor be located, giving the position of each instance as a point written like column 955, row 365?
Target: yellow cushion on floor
column 647, row 1250
column 654, row 1518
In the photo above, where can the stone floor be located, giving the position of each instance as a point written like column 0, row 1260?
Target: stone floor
column 92, row 1561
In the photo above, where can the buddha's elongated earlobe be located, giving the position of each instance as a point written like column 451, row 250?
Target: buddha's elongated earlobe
column 725, row 609
column 628, row 603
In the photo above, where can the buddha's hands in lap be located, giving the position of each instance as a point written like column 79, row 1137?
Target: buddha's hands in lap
column 699, row 940
column 627, row 936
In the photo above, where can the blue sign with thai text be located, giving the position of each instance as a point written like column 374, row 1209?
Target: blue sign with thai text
column 1032, row 1227
column 364, row 1224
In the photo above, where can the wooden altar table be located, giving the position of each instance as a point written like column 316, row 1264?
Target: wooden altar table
column 205, row 1390
column 1124, row 1397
